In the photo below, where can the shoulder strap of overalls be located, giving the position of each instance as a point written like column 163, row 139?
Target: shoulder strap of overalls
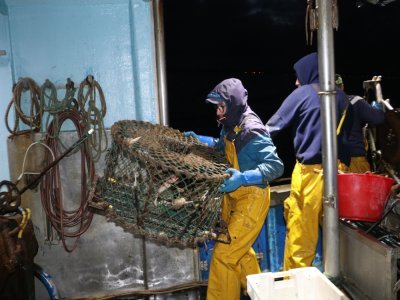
column 339, row 128
column 353, row 99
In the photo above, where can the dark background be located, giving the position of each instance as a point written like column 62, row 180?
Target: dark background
column 258, row 41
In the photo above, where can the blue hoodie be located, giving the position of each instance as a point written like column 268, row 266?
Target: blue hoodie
column 253, row 144
column 301, row 111
column 363, row 113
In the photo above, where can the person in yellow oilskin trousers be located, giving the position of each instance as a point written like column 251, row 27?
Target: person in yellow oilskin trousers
column 254, row 163
column 301, row 111
column 363, row 114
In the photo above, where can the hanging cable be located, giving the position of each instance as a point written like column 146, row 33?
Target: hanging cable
column 68, row 223
column 30, row 173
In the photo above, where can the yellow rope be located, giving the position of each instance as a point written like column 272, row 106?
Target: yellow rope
column 26, row 215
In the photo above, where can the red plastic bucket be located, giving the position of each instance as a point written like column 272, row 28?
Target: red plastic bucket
column 363, row 197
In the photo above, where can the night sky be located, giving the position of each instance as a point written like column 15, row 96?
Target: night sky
column 258, row 42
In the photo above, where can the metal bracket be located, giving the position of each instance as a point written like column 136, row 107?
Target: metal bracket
column 330, row 201
column 326, row 93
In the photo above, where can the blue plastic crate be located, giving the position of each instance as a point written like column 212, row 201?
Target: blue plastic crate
column 205, row 253
column 260, row 246
column 276, row 235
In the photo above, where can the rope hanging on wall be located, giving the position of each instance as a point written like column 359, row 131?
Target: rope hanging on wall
column 45, row 107
column 21, row 90
column 52, row 105
column 161, row 184
column 93, row 108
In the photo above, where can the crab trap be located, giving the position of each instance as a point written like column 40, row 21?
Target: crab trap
column 160, row 184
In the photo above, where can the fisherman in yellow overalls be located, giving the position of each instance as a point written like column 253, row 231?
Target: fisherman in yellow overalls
column 301, row 111
column 252, row 155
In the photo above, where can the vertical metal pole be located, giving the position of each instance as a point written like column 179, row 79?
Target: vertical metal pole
column 329, row 140
column 158, row 13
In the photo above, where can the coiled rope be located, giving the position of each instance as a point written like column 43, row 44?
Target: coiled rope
column 68, row 223
column 33, row 120
column 90, row 91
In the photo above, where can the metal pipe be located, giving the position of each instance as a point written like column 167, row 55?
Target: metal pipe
column 329, row 141
column 372, row 147
column 37, row 179
column 158, row 15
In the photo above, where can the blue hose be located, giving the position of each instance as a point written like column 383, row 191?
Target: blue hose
column 47, row 281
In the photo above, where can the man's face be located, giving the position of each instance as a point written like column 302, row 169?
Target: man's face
column 221, row 109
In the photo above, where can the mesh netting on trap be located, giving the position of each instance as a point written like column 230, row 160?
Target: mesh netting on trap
column 162, row 185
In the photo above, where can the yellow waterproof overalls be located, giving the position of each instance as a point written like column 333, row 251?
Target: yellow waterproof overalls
column 303, row 212
column 244, row 210
column 359, row 164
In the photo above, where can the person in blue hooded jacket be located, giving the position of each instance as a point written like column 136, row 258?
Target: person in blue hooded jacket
column 254, row 160
column 363, row 114
column 303, row 208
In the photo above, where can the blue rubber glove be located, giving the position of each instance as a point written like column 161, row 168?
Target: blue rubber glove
column 238, row 179
column 377, row 105
column 208, row 140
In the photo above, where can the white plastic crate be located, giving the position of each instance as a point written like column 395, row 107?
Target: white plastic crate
column 296, row 284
